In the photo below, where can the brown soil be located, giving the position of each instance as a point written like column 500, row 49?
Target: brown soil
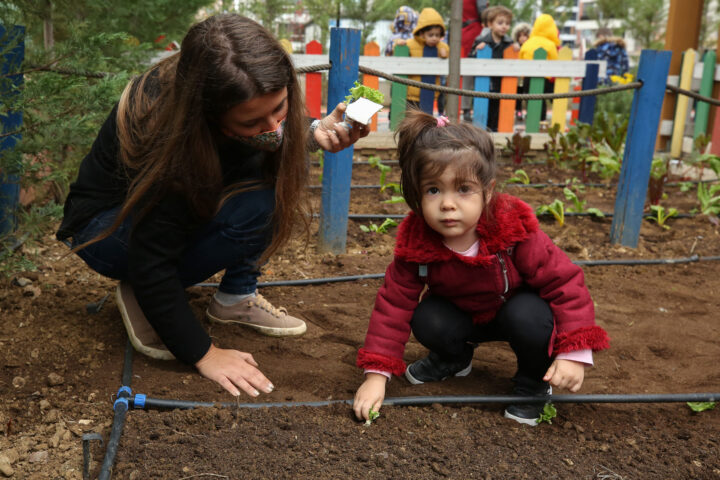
column 61, row 368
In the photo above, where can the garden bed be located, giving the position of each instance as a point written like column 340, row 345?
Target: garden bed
column 61, row 367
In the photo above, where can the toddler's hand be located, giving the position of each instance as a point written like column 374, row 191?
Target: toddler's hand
column 370, row 395
column 400, row 41
column 442, row 52
column 480, row 46
column 566, row 374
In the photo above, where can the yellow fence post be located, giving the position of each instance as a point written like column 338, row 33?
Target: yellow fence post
column 681, row 106
column 562, row 85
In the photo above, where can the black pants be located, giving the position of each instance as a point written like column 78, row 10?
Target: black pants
column 525, row 321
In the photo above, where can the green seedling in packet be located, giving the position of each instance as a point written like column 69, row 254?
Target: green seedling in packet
column 361, row 91
column 362, row 103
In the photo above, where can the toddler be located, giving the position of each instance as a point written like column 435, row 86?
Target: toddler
column 473, row 266
column 426, row 42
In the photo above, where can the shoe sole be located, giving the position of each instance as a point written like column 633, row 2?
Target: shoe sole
column 155, row 353
column 533, row 422
column 462, row 373
column 269, row 331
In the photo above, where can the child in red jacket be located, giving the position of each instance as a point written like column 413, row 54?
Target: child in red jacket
column 490, row 272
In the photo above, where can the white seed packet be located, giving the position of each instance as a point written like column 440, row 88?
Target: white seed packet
column 362, row 110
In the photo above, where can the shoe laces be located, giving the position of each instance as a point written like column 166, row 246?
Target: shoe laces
column 260, row 302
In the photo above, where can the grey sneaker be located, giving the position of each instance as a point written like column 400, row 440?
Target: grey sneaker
column 142, row 335
column 256, row 312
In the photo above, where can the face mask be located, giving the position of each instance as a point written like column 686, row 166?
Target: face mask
column 267, row 141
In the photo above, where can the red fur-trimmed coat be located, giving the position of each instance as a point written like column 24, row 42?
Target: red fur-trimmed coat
column 513, row 252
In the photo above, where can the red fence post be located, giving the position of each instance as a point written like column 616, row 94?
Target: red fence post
column 313, row 83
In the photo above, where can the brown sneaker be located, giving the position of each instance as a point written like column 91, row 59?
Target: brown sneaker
column 256, row 312
column 142, row 335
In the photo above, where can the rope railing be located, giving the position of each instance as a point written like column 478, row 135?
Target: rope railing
column 688, row 93
column 428, row 86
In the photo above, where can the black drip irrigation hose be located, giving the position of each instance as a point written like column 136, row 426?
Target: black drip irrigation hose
column 142, row 401
column 400, row 216
column 121, row 406
column 582, row 263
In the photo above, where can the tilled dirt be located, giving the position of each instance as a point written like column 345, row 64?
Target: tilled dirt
column 61, row 367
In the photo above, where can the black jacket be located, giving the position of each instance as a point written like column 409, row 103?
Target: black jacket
column 158, row 240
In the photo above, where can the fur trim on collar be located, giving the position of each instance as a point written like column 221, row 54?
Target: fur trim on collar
column 513, row 221
column 619, row 41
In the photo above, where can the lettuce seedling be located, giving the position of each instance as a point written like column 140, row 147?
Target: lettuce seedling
column 549, row 412
column 382, row 228
column 701, row 406
column 372, row 415
column 361, row 91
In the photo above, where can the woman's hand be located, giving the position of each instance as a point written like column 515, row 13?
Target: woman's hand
column 566, row 374
column 233, row 369
column 370, row 395
column 333, row 135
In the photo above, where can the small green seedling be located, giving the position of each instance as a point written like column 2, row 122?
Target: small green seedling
column 556, row 208
column 395, row 199
column 382, row 228
column 521, row 176
column 709, row 198
column 549, row 412
column 361, row 91
column 372, row 415
column 701, row 406
column 579, row 205
column 661, row 215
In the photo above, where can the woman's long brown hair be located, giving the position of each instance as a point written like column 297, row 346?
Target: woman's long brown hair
column 168, row 132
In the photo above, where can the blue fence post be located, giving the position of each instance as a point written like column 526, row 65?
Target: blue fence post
column 590, row 81
column 640, row 147
column 337, row 167
column 12, row 46
column 482, row 84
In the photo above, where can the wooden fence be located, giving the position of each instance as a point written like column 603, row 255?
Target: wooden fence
column 568, row 74
column 643, row 124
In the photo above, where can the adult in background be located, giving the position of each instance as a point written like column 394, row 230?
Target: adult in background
column 200, row 167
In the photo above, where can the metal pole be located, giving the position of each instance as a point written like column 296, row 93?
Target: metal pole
column 453, row 79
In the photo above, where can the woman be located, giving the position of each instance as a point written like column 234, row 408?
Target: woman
column 200, row 167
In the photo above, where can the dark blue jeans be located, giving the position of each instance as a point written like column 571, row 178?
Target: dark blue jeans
column 233, row 240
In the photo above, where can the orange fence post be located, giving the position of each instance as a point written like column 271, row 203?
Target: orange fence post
column 313, row 83
column 372, row 49
column 506, row 118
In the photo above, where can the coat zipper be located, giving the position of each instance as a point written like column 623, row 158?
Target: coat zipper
column 505, row 276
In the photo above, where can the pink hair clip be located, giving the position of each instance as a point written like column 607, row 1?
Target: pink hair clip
column 442, row 120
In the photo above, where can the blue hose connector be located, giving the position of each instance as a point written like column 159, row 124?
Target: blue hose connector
column 139, row 401
column 121, row 400
column 126, row 389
